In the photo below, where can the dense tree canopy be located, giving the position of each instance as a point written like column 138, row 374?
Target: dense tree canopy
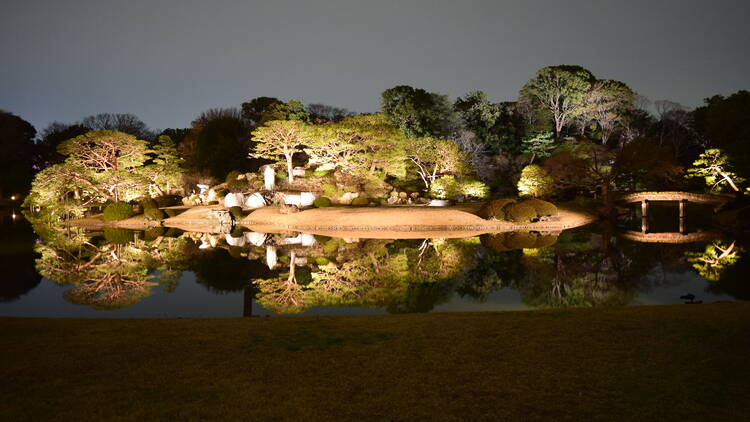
column 418, row 112
column 18, row 151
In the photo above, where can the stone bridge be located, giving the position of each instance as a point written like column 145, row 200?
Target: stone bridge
column 671, row 237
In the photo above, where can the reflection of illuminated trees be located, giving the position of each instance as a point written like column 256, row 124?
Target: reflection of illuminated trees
column 373, row 273
column 714, row 260
column 106, row 275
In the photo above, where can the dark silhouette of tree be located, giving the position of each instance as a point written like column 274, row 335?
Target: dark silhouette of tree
column 496, row 126
column 119, row 122
column 725, row 124
column 18, row 150
column 254, row 109
column 52, row 136
column 323, row 113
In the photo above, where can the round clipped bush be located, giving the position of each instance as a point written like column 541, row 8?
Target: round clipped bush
column 118, row 236
column 236, row 212
column 535, row 182
column 322, row 202
column 321, row 260
column 495, row 209
column 235, row 252
column 520, row 212
column 444, row 187
column 153, row 233
column 472, row 188
column 168, row 200
column 360, row 201
column 117, row 211
column 154, row 214
column 148, row 203
column 496, row 241
column 543, row 208
column 521, row 240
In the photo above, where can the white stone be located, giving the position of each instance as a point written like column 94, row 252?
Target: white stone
column 293, row 240
column 298, row 171
column 255, row 238
column 255, row 200
column 234, row 200
column 203, row 188
column 212, row 196
column 439, row 203
column 307, row 239
column 271, row 258
column 235, row 241
column 269, row 178
column 306, row 199
column 292, row 199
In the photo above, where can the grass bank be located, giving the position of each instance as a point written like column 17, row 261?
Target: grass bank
column 641, row 363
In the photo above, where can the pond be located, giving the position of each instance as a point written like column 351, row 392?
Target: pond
column 162, row 272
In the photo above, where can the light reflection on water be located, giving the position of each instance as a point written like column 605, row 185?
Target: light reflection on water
column 174, row 274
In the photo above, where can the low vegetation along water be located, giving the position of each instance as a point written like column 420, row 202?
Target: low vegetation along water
column 165, row 272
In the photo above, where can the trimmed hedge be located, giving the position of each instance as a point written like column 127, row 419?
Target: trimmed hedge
column 520, row 212
column 154, row 214
column 117, row 211
column 118, row 236
column 360, row 201
column 236, row 212
column 322, row 202
column 543, row 208
column 496, row 208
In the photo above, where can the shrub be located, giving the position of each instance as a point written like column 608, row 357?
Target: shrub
column 360, row 201
column 321, row 173
column 154, row 214
column 117, row 211
column 535, row 182
column 543, row 208
column 153, row 233
column 321, row 260
column 237, row 231
column 148, row 203
column 118, row 236
column 171, row 213
column 330, row 190
column 232, row 176
column 234, row 184
column 322, row 202
column 444, row 187
column 235, row 252
column 236, row 212
column 472, row 188
column 495, row 208
column 496, row 241
column 168, row 200
column 520, row 212
column 521, row 240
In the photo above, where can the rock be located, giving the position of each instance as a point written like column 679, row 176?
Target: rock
column 393, row 200
column 300, row 260
column 307, row 239
column 212, row 196
column 439, row 203
column 255, row 238
column 235, row 241
column 203, row 189
column 414, row 195
column 223, row 217
column 403, row 195
column 254, row 201
column 394, row 194
column 292, row 199
column 234, row 200
column 348, row 197
column 288, row 209
column 269, row 178
column 306, row 199
column 298, row 171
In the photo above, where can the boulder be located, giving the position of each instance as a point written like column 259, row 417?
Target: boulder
column 235, row 241
column 393, row 200
column 439, row 203
column 255, row 238
column 234, row 200
column 255, row 200
column 306, row 199
column 307, row 239
column 271, row 257
column 298, row 171
column 292, row 199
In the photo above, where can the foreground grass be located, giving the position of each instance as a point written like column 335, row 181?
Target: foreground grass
column 645, row 363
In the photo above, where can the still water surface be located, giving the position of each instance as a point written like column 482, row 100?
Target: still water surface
column 117, row 273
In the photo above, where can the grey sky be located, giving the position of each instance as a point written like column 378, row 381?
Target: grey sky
column 167, row 61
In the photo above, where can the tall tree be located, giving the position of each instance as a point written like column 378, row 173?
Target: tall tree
column 218, row 143
column 254, row 109
column 607, row 103
column 497, row 126
column 725, row 123
column 52, row 136
column 16, row 159
column 418, row 112
column 560, row 89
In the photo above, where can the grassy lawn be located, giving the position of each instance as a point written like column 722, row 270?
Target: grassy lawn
column 643, row 363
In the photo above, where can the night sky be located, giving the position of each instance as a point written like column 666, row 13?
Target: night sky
column 166, row 61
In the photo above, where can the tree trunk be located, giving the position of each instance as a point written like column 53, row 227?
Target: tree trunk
column 731, row 183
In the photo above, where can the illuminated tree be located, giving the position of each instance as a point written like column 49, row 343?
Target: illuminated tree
column 714, row 167
column 535, row 181
column 607, row 104
column 540, row 145
column 560, row 89
column 714, row 260
column 280, row 138
column 435, row 157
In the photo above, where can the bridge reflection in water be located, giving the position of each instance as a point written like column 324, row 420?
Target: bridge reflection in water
column 682, row 199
